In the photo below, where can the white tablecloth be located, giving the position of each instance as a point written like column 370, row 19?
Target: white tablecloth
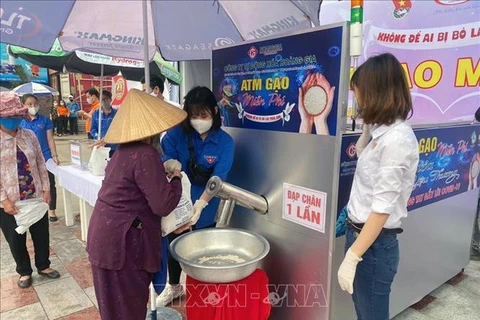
column 81, row 183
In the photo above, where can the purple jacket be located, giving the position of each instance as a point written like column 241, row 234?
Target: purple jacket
column 135, row 186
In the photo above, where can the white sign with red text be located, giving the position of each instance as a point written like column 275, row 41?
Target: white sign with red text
column 75, row 153
column 303, row 206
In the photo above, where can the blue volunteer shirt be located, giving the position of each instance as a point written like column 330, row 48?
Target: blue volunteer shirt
column 106, row 122
column 216, row 152
column 74, row 108
column 40, row 125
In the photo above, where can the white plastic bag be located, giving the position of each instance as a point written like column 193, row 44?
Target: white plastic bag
column 182, row 213
column 98, row 160
column 52, row 166
column 30, row 212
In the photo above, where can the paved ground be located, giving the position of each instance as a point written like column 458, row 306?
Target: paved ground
column 72, row 296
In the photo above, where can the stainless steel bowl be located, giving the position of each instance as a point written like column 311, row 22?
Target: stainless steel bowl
column 219, row 255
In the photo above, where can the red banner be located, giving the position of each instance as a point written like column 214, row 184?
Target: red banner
column 120, row 90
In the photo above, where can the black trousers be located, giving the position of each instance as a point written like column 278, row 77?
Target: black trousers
column 174, row 269
column 62, row 125
column 18, row 243
column 73, row 125
column 55, row 124
column 53, row 191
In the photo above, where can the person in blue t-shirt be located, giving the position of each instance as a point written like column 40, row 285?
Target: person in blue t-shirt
column 73, row 117
column 43, row 128
column 211, row 152
column 108, row 113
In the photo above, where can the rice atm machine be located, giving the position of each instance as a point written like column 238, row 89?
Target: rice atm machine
column 283, row 101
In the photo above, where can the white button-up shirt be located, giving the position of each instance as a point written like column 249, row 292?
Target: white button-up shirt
column 385, row 174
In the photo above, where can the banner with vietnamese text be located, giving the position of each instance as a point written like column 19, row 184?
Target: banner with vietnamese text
column 449, row 164
column 285, row 84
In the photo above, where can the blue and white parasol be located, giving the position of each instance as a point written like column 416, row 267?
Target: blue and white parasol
column 36, row 89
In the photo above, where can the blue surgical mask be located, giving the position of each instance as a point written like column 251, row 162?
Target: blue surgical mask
column 10, row 123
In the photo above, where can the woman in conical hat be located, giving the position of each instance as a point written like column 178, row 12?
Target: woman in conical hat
column 124, row 236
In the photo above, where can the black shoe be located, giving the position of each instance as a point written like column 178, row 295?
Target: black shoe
column 53, row 219
column 51, row 275
column 24, row 284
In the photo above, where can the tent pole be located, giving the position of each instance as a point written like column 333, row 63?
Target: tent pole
column 146, row 57
column 100, row 110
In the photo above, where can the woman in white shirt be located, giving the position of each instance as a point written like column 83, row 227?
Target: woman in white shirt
column 381, row 187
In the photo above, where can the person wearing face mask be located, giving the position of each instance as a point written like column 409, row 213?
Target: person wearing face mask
column 24, row 176
column 157, row 86
column 108, row 113
column 124, row 236
column 54, row 116
column 73, row 118
column 92, row 99
column 43, row 129
column 203, row 150
column 63, row 114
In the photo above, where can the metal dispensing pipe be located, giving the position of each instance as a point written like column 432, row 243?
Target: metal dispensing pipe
column 230, row 196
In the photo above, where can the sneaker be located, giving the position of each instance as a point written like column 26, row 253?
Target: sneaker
column 169, row 294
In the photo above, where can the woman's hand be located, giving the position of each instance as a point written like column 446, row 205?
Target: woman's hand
column 99, row 143
column 321, row 120
column 9, row 207
column 55, row 160
column 473, row 174
column 46, row 197
column 171, row 166
column 306, row 122
column 175, row 173
column 183, row 228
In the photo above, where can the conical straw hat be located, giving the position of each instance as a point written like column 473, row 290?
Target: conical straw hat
column 140, row 116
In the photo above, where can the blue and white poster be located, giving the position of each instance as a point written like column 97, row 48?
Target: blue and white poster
column 285, row 84
column 9, row 68
column 449, row 164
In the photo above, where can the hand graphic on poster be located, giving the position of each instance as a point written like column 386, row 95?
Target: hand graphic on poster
column 226, row 103
column 315, row 100
column 473, row 172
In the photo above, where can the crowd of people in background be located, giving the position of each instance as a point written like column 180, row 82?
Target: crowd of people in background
column 64, row 116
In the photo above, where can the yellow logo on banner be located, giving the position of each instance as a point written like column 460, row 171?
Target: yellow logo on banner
column 119, row 88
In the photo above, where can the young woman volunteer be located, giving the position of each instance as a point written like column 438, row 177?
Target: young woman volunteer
column 43, row 128
column 382, row 185
column 203, row 149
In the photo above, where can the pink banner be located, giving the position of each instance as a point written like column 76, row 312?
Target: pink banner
column 438, row 43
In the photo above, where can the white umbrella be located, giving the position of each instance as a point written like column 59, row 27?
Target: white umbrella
column 36, row 89
column 182, row 30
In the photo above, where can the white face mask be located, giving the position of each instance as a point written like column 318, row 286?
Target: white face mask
column 201, row 126
column 90, row 100
column 33, row 111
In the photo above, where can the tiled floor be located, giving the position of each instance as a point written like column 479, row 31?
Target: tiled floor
column 72, row 297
